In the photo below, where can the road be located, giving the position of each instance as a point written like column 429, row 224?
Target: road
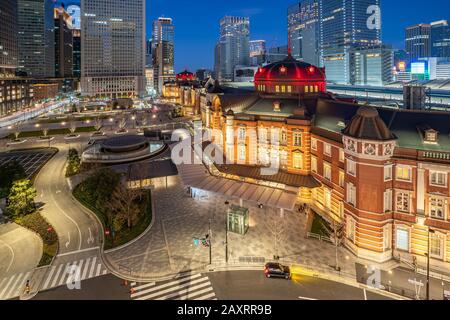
column 227, row 285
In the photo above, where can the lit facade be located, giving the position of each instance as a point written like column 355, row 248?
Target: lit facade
column 371, row 66
column 8, row 38
column 417, row 42
column 440, row 39
column 304, row 31
column 63, row 43
column 388, row 185
column 234, row 45
column 343, row 26
column 163, row 52
column 36, row 38
column 113, row 48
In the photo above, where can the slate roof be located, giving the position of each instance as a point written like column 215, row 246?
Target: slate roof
column 404, row 124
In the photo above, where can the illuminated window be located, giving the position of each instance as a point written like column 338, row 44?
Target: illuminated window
column 351, row 167
column 306, row 89
column 387, row 237
column 402, row 202
column 289, row 89
column 327, row 149
column 277, row 88
column 297, row 139
column 327, row 171
column 402, row 239
column 327, row 198
column 388, row 173
column 314, row 144
column 437, row 206
column 341, row 179
column 314, row 164
column 297, row 160
column 438, row 178
column 351, row 193
column 436, row 245
column 241, row 134
column 283, row 89
column 241, row 152
column 403, row 173
column 341, row 155
column 351, row 228
column 387, row 200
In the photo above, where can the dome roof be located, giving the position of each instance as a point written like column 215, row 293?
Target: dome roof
column 288, row 70
column 367, row 124
column 185, row 75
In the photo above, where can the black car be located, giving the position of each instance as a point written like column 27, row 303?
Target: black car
column 277, row 270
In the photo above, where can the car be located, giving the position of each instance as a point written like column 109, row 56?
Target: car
column 277, row 270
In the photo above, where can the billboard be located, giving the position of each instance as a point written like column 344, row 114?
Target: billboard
column 418, row 68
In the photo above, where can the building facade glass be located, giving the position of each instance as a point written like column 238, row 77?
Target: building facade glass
column 113, row 42
column 36, row 38
column 8, row 38
column 440, row 39
column 234, row 45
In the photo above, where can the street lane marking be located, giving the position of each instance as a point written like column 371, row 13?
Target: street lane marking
column 68, row 241
column 85, row 269
column 185, row 294
column 365, row 294
column 182, row 280
column 57, row 275
column 47, row 281
column 20, row 279
column 206, row 297
column 306, row 298
column 7, row 285
column 98, row 270
column 91, row 272
column 77, row 251
column 171, row 289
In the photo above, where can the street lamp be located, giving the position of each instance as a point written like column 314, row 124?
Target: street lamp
column 226, row 232
column 430, row 231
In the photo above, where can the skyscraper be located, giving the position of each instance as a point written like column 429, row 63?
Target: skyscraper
column 304, row 31
column 345, row 25
column 8, row 38
column 63, row 43
column 371, row 66
column 163, row 54
column 76, row 38
column 113, row 48
column 440, row 39
column 417, row 42
column 148, row 54
column 257, row 52
column 234, row 45
column 36, row 38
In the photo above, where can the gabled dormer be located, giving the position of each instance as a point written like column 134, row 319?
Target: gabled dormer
column 429, row 135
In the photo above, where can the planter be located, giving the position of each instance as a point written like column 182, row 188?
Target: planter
column 15, row 142
column 70, row 136
column 45, row 139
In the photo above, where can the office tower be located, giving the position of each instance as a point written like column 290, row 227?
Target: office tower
column 234, row 45
column 8, row 38
column 217, row 61
column 257, row 52
column 36, row 38
column 440, row 39
column 304, row 31
column 276, row 54
column 371, row 66
column 76, row 38
column 203, row 74
column 163, row 52
column 113, row 48
column 148, row 54
column 345, row 25
column 63, row 43
column 417, row 42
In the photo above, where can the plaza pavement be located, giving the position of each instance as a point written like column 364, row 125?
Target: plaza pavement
column 168, row 247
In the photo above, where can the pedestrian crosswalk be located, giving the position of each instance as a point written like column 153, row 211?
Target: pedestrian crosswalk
column 57, row 275
column 186, row 287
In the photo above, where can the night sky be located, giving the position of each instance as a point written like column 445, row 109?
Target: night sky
column 197, row 23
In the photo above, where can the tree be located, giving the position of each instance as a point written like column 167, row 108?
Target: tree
column 122, row 124
column 73, row 163
column 335, row 232
column 21, row 199
column 98, row 125
column 10, row 172
column 72, row 126
column 124, row 204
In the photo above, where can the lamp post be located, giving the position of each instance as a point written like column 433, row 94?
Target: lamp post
column 226, row 232
column 428, row 263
